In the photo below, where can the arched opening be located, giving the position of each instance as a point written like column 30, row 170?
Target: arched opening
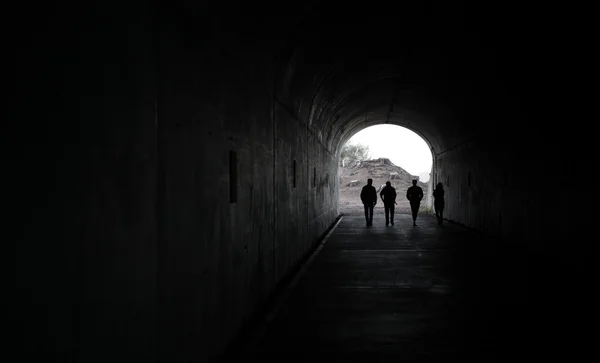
column 383, row 153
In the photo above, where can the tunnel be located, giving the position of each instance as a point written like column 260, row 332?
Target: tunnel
column 178, row 163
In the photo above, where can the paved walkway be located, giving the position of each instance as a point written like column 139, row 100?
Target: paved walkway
column 402, row 294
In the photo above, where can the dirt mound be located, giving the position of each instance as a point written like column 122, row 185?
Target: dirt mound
column 354, row 176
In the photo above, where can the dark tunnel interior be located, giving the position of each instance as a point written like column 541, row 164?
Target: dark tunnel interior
column 150, row 147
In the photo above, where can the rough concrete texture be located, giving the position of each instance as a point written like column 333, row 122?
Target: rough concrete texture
column 222, row 259
column 128, row 247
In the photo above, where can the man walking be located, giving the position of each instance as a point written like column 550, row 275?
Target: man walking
column 388, row 196
column 414, row 194
column 368, row 196
column 438, row 196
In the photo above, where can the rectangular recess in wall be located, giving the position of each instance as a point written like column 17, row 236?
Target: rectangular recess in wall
column 233, row 176
column 314, row 176
column 294, row 173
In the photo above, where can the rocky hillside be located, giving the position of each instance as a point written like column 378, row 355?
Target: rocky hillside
column 354, row 177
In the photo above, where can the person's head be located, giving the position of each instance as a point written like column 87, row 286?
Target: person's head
column 369, row 181
column 439, row 186
column 414, row 181
column 388, row 183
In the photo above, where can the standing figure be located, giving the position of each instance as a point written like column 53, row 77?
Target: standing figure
column 438, row 203
column 414, row 194
column 368, row 196
column 388, row 196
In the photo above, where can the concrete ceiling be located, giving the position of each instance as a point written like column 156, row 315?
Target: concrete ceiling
column 434, row 70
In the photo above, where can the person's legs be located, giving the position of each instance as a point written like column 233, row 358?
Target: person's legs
column 371, row 215
column 415, row 209
column 392, row 214
column 387, row 214
column 441, row 214
column 367, row 213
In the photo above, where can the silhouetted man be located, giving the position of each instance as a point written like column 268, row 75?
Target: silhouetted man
column 438, row 196
column 388, row 196
column 368, row 196
column 414, row 194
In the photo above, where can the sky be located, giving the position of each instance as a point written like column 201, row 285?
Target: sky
column 401, row 145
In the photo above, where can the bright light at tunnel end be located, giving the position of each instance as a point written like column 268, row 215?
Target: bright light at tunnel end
column 402, row 146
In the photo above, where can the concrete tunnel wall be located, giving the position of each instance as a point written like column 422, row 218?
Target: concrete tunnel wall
column 83, row 163
column 131, row 249
column 222, row 259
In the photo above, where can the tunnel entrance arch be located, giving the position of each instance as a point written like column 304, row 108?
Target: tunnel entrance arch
column 396, row 154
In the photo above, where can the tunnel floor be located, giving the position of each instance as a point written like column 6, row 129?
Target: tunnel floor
column 404, row 293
